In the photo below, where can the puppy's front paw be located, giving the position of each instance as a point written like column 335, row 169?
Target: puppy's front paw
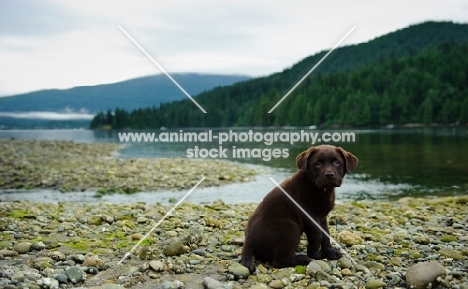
column 314, row 254
column 301, row 260
column 331, row 253
column 249, row 265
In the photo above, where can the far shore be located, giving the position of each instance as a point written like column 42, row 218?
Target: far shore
column 69, row 166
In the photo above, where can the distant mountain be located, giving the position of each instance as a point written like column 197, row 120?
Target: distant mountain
column 142, row 92
column 415, row 74
column 130, row 94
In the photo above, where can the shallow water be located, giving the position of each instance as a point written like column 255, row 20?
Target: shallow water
column 392, row 164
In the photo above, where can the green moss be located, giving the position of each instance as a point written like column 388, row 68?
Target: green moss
column 300, row 269
column 415, row 254
column 21, row 214
column 106, row 191
column 117, row 235
column 357, row 204
column 455, row 255
column 147, row 241
column 121, row 244
column 77, row 246
column 448, row 238
column 370, row 257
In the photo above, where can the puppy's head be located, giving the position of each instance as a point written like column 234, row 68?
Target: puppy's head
column 326, row 165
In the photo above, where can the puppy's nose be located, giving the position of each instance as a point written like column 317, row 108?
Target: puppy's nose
column 329, row 175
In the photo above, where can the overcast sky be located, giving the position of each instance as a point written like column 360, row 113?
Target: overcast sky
column 62, row 44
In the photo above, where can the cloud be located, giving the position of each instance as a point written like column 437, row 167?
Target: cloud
column 62, row 44
column 36, row 19
column 48, row 115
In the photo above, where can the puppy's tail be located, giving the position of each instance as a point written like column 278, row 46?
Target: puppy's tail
column 247, row 258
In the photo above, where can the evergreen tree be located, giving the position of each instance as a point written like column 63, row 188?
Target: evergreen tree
column 385, row 110
column 428, row 111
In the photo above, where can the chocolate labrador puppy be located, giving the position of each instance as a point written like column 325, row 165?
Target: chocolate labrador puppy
column 274, row 229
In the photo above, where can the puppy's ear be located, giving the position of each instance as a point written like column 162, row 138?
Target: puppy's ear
column 351, row 161
column 301, row 159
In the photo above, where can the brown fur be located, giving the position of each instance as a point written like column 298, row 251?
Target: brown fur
column 273, row 231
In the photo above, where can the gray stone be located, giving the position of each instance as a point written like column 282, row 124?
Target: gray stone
column 38, row 246
column 260, row 286
column 156, row 265
column 375, row 284
column 362, row 268
column 110, row 286
column 227, row 248
column 296, row 277
column 374, row 265
column 210, row 283
column 420, row 275
column 276, row 284
column 50, row 283
column 75, row 274
column 199, row 252
column 322, row 276
column 238, row 270
column 324, row 265
column 344, row 262
column 8, row 253
column 264, row 278
column 18, row 276
column 57, row 256
column 22, row 247
column 92, row 270
column 33, row 276
column 313, row 267
column 62, row 278
column 171, row 285
column 174, row 249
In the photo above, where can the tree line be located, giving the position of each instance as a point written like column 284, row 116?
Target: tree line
column 425, row 87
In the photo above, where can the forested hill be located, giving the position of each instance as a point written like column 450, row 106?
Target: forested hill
column 414, row 75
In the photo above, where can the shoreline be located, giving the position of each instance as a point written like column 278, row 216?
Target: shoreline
column 68, row 166
column 198, row 242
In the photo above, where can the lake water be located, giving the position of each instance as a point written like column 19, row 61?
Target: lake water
column 393, row 163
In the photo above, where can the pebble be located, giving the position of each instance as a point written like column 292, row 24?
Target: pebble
column 156, row 265
column 238, row 270
column 276, row 284
column 207, row 250
column 22, row 248
column 422, row 274
column 349, row 238
column 375, row 284
column 313, row 267
column 50, row 283
column 8, row 253
column 75, row 274
column 171, row 285
column 174, row 249
column 46, row 164
column 62, row 278
column 210, row 283
column 344, row 262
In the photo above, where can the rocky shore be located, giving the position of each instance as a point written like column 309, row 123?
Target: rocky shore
column 410, row 242
column 69, row 166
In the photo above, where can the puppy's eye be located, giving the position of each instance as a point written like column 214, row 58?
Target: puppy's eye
column 336, row 163
column 318, row 164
